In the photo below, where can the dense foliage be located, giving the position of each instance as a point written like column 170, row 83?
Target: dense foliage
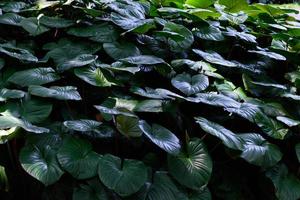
column 149, row 100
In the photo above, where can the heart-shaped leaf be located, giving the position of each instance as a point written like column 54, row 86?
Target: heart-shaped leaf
column 258, row 151
column 190, row 84
column 161, row 136
column 124, row 177
column 41, row 163
column 192, row 168
column 76, row 157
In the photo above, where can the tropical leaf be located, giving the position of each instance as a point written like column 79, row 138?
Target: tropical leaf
column 41, row 163
column 286, row 184
column 228, row 138
column 35, row 76
column 91, row 190
column 76, row 157
column 92, row 76
column 161, row 136
column 190, row 84
column 56, row 92
column 128, row 126
column 6, row 94
column 124, row 177
column 121, row 50
column 192, row 168
column 215, row 58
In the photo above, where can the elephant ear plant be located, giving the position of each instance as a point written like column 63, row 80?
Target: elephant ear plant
column 149, row 100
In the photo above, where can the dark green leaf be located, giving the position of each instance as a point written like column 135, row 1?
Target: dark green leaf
column 161, row 136
column 124, row 177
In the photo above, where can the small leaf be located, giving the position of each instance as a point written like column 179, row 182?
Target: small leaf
column 192, row 168
column 190, row 84
column 56, row 92
column 124, row 177
column 161, row 136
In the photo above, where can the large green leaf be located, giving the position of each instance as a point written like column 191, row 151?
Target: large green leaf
column 11, row 19
column 270, row 126
column 55, row 22
column 41, row 163
column 56, row 92
column 89, row 127
column 93, row 76
column 128, row 126
column 35, row 111
column 258, row 151
column 8, row 121
column 234, row 5
column 14, row 6
column 78, row 61
column 214, row 58
column 119, row 50
column 97, row 32
column 228, row 138
column 192, row 168
column 163, row 188
column 190, row 84
column 76, row 157
column 35, row 76
column 91, row 190
column 183, row 37
column 124, row 177
column 200, row 3
column 143, row 60
column 18, row 53
column 286, row 184
column 209, row 32
column 161, row 136
column 6, row 94
column 32, row 26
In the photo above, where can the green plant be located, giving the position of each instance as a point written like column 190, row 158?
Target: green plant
column 150, row 100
